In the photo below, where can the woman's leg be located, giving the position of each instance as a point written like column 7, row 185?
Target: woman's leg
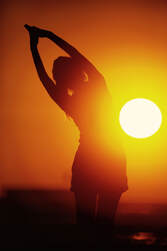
column 107, row 206
column 85, row 207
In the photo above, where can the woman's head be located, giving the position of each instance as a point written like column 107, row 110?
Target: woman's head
column 66, row 72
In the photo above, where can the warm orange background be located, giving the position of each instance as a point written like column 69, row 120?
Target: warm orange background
column 127, row 42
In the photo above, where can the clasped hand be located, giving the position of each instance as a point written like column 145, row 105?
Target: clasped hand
column 35, row 33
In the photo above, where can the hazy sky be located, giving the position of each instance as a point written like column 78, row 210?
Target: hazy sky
column 127, row 42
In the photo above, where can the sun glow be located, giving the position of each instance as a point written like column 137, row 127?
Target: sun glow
column 140, row 118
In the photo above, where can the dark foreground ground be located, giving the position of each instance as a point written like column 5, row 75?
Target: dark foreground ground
column 42, row 219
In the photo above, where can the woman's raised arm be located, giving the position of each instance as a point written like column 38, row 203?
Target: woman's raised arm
column 74, row 53
column 43, row 76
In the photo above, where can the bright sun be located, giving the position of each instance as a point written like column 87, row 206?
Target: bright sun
column 140, row 118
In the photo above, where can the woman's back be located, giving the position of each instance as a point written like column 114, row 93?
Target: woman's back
column 100, row 165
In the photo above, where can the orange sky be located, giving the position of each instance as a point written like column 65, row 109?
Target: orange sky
column 127, row 42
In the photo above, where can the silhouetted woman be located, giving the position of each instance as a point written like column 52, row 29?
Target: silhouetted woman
column 81, row 92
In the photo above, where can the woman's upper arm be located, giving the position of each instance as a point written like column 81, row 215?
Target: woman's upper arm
column 90, row 71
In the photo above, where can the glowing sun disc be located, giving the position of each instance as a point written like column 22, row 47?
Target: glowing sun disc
column 140, row 118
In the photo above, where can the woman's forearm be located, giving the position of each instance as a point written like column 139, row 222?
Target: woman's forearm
column 43, row 76
column 62, row 44
column 38, row 63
